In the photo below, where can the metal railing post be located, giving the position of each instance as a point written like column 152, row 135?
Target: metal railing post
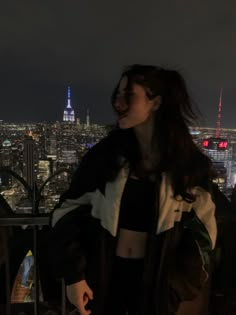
column 63, row 298
column 35, row 250
column 7, row 270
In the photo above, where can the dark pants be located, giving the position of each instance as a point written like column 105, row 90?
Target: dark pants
column 126, row 286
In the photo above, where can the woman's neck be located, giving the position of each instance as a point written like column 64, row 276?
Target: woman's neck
column 148, row 147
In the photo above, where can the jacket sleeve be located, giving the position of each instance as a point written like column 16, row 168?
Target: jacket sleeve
column 70, row 219
column 68, row 245
column 197, row 240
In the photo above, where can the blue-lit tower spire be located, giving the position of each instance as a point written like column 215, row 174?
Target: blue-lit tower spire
column 69, row 114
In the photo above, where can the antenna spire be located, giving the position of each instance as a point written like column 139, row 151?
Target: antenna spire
column 68, row 98
column 219, row 115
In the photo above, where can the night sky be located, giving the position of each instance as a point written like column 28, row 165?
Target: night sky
column 46, row 45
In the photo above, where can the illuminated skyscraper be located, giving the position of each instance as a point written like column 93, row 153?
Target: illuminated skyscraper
column 6, row 154
column 220, row 152
column 6, row 161
column 69, row 114
column 30, row 160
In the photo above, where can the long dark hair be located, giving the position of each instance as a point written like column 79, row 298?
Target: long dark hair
column 179, row 156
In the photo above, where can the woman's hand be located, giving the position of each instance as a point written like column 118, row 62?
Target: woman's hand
column 79, row 294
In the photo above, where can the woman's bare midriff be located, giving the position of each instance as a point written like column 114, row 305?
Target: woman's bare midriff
column 131, row 244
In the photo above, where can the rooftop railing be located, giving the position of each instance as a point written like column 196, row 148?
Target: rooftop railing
column 25, row 226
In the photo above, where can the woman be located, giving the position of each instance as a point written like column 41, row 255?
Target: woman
column 134, row 232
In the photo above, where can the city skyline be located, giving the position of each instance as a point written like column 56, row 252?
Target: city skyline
column 84, row 120
column 47, row 46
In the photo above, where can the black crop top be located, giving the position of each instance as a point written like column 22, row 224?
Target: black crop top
column 137, row 203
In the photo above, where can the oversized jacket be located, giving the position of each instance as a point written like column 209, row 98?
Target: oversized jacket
column 85, row 229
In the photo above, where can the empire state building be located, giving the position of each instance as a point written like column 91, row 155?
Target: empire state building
column 69, row 114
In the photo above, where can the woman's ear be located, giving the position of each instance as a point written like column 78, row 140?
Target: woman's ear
column 157, row 102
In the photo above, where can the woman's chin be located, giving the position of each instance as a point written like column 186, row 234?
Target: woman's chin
column 123, row 125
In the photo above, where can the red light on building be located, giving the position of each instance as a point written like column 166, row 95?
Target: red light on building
column 205, row 143
column 222, row 145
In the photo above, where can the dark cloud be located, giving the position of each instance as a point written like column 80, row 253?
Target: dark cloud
column 48, row 44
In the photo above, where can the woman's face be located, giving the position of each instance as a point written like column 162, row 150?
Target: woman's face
column 132, row 105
